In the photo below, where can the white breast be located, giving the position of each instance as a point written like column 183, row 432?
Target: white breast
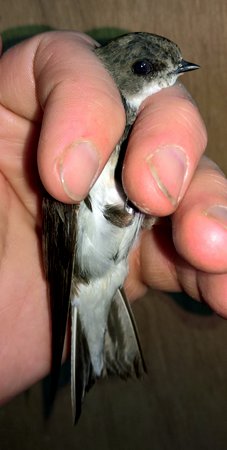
column 99, row 240
column 97, row 244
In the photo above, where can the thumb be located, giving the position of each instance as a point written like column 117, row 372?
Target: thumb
column 55, row 78
column 81, row 104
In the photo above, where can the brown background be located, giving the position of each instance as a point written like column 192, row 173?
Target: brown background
column 182, row 403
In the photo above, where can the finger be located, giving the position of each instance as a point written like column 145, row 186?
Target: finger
column 153, row 262
column 196, row 259
column 164, row 148
column 60, row 74
column 204, row 286
column 200, row 222
column 213, row 288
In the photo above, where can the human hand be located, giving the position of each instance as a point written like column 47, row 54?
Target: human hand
column 55, row 98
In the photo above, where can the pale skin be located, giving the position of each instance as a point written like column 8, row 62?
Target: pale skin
column 55, row 94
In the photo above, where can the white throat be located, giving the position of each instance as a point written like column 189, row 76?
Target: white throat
column 134, row 101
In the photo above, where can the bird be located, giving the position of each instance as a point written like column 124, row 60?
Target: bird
column 86, row 245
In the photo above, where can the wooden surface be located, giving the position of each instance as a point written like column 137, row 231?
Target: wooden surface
column 182, row 403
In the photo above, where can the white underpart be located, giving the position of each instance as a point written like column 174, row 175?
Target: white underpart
column 98, row 242
column 148, row 90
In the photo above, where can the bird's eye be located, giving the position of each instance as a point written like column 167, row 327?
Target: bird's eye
column 142, row 67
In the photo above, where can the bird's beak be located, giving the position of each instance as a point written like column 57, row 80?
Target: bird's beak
column 186, row 66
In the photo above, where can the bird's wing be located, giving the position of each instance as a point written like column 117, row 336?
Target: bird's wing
column 59, row 241
column 122, row 349
column 82, row 375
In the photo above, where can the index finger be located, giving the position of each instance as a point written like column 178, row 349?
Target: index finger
column 165, row 146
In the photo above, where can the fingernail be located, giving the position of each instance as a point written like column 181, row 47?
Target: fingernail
column 168, row 166
column 78, row 169
column 218, row 213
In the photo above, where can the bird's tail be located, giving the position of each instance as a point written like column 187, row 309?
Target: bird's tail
column 121, row 349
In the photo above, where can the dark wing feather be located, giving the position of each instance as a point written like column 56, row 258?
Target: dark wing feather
column 122, row 350
column 59, row 241
column 82, row 375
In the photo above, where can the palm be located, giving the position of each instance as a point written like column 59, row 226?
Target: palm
column 24, row 331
